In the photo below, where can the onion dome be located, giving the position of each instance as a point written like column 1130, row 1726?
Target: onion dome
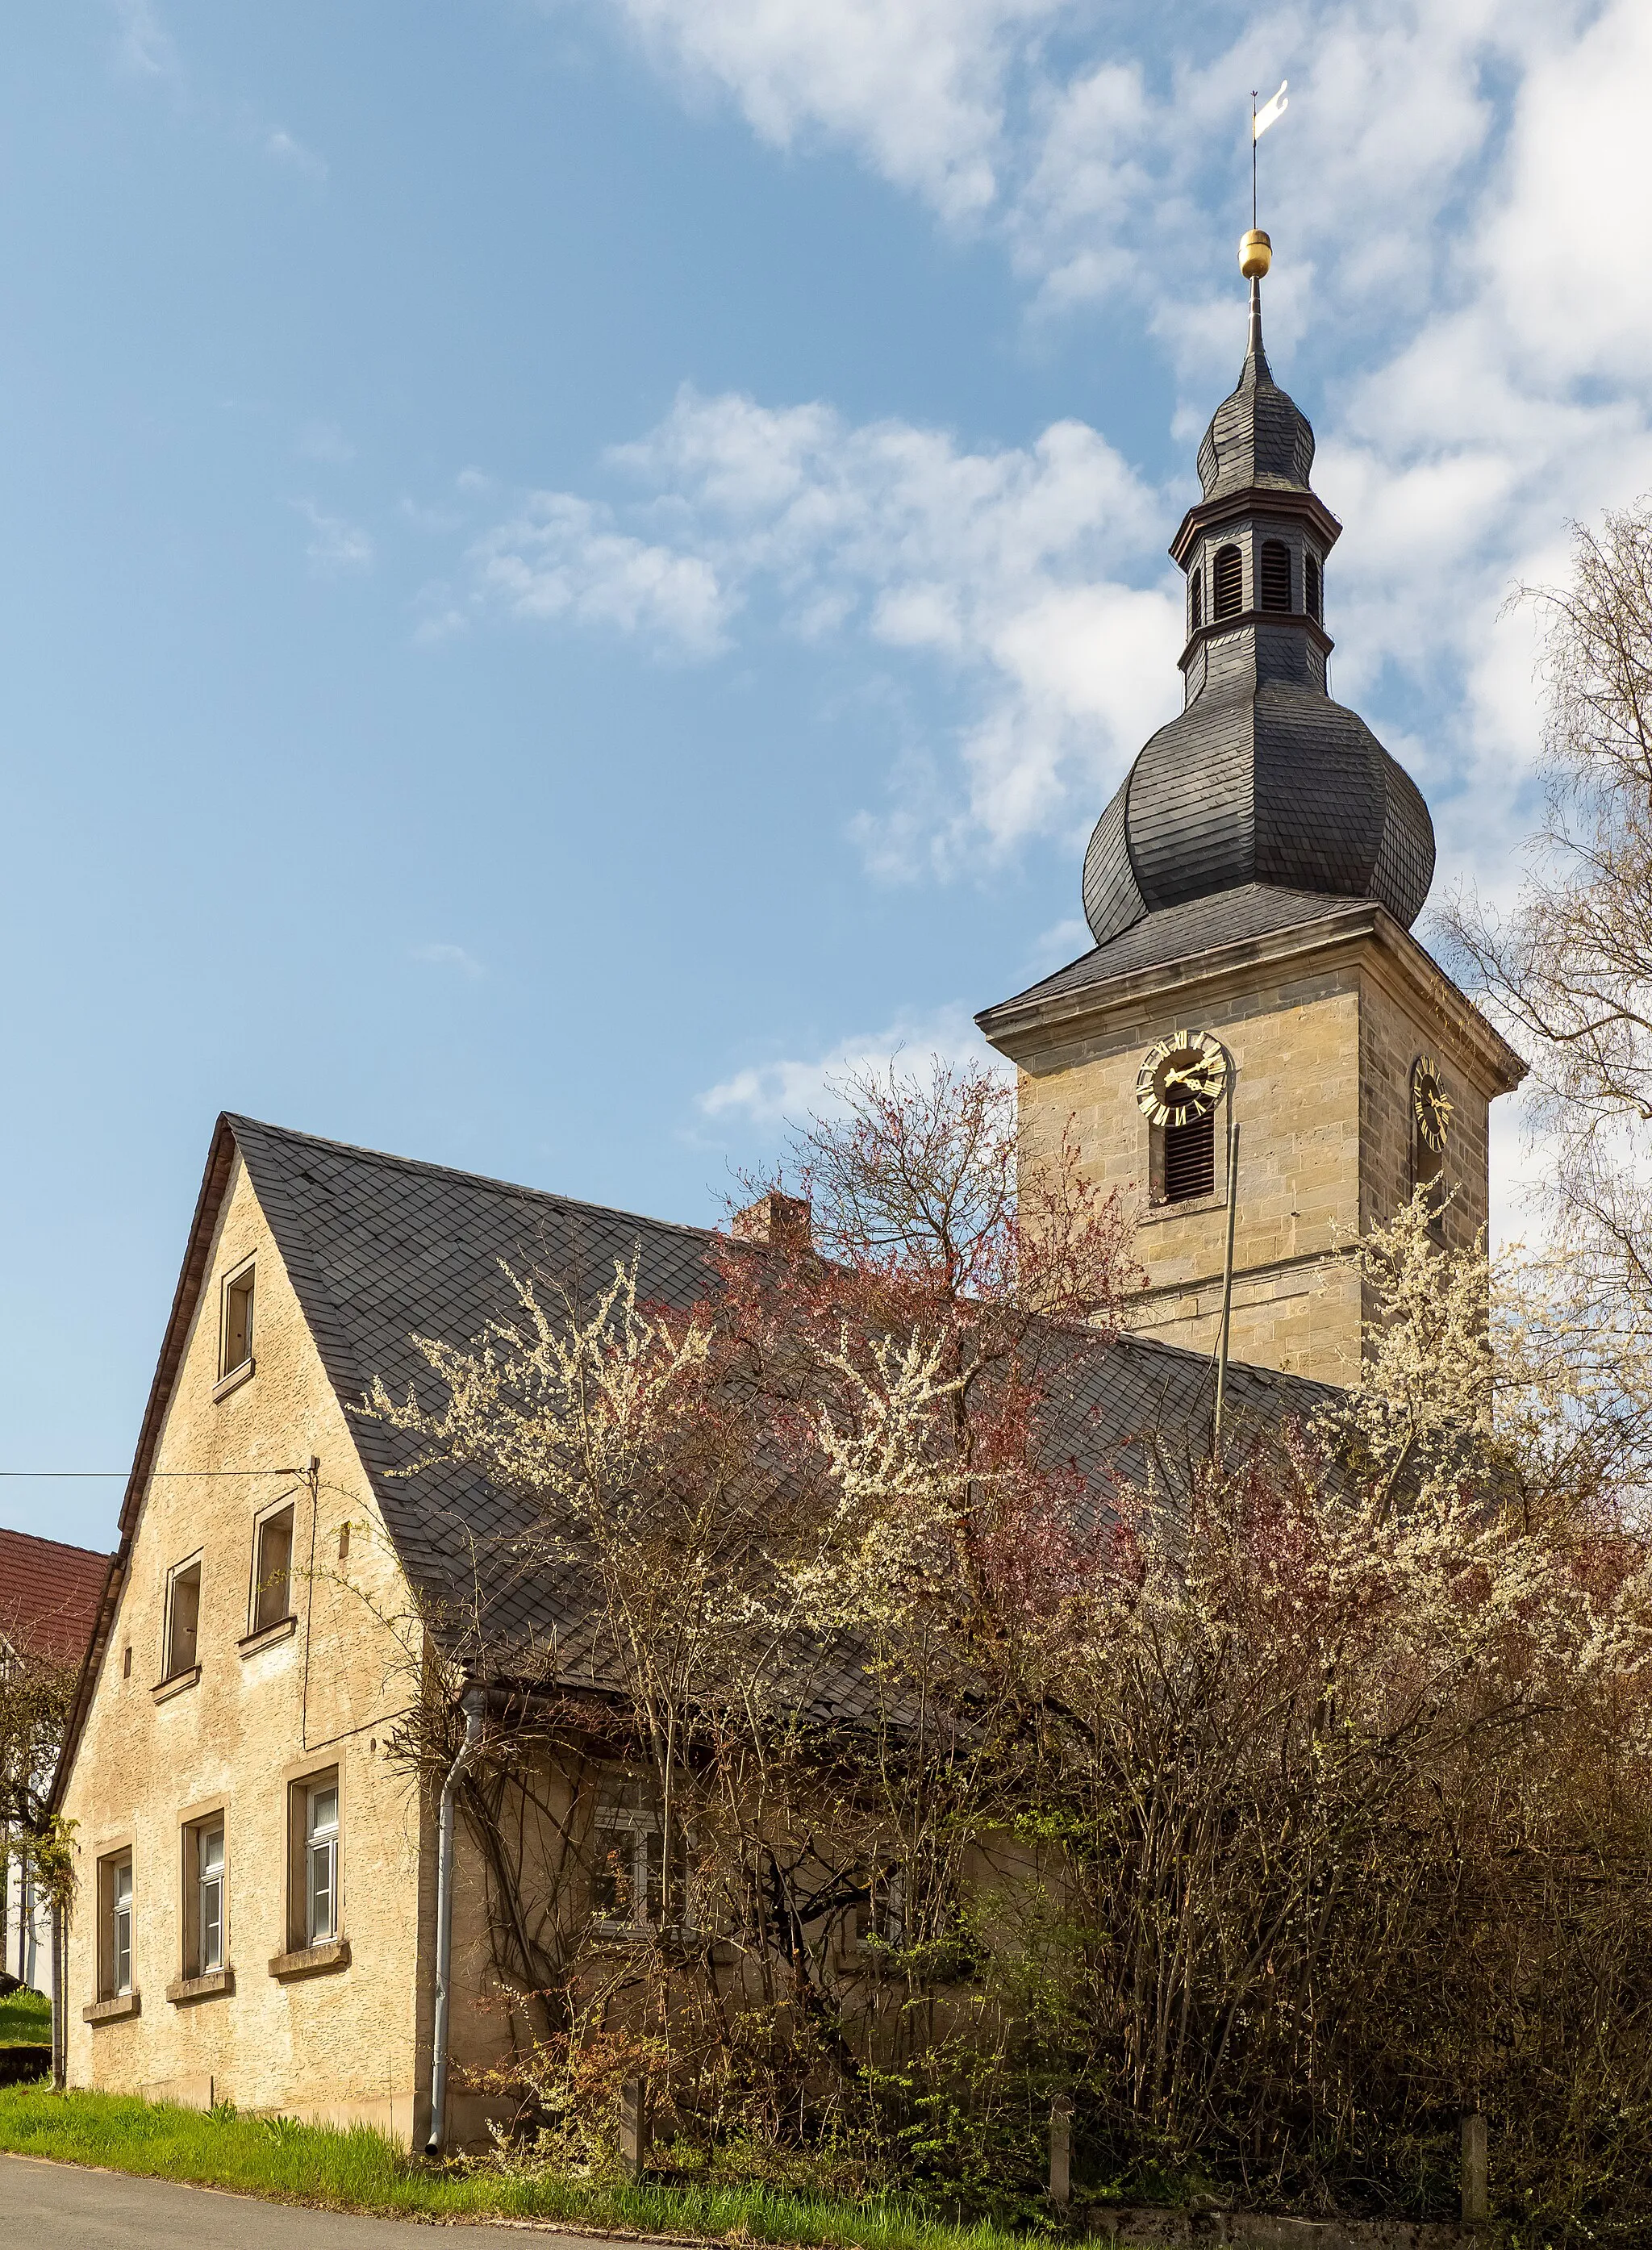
column 1261, row 778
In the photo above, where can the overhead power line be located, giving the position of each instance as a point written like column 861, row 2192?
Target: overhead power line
column 154, row 1474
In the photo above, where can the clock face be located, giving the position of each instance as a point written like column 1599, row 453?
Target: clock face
column 1182, row 1078
column 1428, row 1104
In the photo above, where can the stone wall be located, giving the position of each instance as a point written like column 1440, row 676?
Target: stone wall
column 1295, row 1046
column 1322, row 1049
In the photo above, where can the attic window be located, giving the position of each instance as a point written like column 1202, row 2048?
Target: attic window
column 236, row 1350
column 1316, row 600
column 1196, row 601
column 1276, row 574
column 1229, row 582
column 183, row 1619
column 273, row 1569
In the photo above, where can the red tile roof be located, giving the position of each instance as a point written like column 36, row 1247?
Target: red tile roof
column 49, row 1594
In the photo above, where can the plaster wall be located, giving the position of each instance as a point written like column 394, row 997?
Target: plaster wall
column 351, row 2041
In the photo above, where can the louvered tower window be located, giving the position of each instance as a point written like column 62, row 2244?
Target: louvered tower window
column 1276, row 574
column 1228, row 583
column 1196, row 601
column 1316, row 600
column 1190, row 1158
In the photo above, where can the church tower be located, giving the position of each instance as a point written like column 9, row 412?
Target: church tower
column 1251, row 890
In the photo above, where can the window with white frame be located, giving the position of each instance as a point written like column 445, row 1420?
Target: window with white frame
column 627, row 1859
column 115, row 1886
column 320, row 1861
column 209, row 1902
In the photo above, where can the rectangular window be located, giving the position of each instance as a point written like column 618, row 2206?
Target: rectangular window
column 626, row 1859
column 273, row 1569
column 1190, row 1158
column 206, row 1898
column 114, row 1941
column 209, row 1896
column 183, row 1619
column 315, row 1833
column 237, row 1320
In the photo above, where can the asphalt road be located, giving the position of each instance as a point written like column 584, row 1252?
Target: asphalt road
column 60, row 2207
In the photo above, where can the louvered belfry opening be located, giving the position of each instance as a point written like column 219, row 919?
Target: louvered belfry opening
column 1228, row 583
column 1196, row 601
column 1190, row 1158
column 1316, row 597
column 1276, row 574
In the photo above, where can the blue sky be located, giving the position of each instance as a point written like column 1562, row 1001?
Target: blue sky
column 566, row 567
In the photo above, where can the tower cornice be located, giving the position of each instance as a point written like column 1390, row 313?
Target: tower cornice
column 1357, row 934
column 1252, row 500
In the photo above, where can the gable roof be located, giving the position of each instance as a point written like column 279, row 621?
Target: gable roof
column 378, row 1248
column 49, row 1594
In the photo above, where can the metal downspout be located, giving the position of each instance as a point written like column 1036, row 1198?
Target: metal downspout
column 59, row 2001
column 473, row 1703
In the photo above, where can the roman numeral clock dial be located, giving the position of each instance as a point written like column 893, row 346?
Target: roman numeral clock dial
column 1429, row 1105
column 1182, row 1078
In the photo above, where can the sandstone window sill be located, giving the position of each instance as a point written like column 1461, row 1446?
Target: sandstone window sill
column 163, row 1690
column 266, row 1636
column 183, row 1990
column 234, row 1379
column 1192, row 1207
column 111, row 2011
column 311, row 1960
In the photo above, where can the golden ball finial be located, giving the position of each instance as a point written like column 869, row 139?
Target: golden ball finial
column 1255, row 254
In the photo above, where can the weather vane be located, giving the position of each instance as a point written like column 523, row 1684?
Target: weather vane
column 1255, row 251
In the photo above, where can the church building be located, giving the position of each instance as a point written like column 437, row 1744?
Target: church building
column 1255, row 1009
column 1255, row 1048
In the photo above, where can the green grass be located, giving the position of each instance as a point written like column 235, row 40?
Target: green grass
column 361, row 2171
column 25, row 2019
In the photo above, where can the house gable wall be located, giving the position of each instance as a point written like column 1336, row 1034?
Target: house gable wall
column 351, row 2042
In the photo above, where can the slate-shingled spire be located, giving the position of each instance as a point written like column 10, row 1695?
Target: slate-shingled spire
column 1261, row 778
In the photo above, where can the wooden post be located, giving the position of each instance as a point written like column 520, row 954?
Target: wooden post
column 633, row 2127
column 1061, row 2151
column 1476, row 2187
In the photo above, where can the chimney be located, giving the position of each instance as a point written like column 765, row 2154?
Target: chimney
column 780, row 1222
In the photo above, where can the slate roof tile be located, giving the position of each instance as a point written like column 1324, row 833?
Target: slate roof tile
column 1186, row 932
column 382, row 1247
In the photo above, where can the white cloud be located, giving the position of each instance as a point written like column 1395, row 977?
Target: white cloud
column 916, row 86
column 448, row 956
column 561, row 556
column 287, row 150
column 335, row 545
column 787, row 1091
column 143, row 45
column 1015, row 572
